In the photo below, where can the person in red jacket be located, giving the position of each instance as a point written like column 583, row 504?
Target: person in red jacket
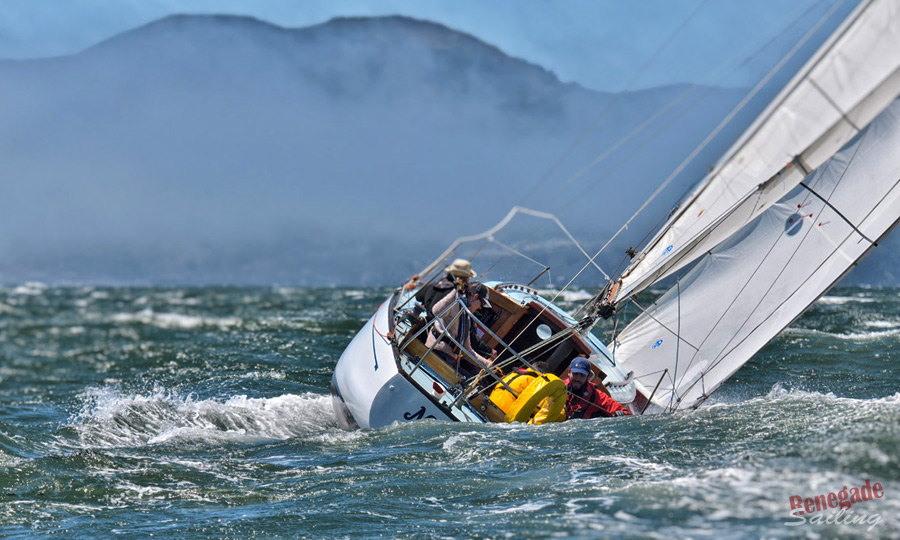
column 585, row 399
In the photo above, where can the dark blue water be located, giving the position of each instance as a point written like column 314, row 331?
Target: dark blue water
column 203, row 413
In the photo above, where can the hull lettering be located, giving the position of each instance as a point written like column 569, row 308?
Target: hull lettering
column 418, row 415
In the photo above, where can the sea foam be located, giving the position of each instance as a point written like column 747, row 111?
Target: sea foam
column 174, row 320
column 841, row 300
column 109, row 418
column 851, row 336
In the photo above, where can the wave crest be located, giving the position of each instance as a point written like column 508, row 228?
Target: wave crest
column 850, row 336
column 174, row 320
column 111, row 419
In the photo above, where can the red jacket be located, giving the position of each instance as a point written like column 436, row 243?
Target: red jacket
column 591, row 402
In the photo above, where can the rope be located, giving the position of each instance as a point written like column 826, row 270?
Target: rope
column 388, row 336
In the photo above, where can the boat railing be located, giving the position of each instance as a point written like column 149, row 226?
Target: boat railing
column 464, row 310
column 444, row 334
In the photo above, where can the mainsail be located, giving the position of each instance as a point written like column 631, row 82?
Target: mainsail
column 853, row 76
column 742, row 293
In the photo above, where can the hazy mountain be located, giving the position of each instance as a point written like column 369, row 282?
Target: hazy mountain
column 207, row 149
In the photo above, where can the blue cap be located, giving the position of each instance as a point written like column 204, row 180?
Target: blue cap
column 580, row 365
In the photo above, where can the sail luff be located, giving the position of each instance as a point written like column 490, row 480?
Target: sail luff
column 852, row 77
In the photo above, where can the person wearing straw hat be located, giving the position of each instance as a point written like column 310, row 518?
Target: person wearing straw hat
column 457, row 277
column 462, row 329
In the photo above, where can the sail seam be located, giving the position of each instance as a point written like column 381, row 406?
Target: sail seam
column 664, row 267
column 838, row 212
column 646, row 312
column 714, row 363
column 756, row 90
column 784, row 301
column 835, row 105
column 677, row 343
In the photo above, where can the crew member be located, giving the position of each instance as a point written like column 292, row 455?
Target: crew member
column 457, row 277
column 462, row 329
column 585, row 399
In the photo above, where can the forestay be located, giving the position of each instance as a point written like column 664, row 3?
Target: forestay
column 849, row 80
column 745, row 291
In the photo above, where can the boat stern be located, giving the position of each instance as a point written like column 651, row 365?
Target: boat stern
column 367, row 390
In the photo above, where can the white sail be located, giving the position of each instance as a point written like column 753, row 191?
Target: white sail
column 741, row 294
column 849, row 80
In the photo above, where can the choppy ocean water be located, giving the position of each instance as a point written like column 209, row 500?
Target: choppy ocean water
column 204, row 413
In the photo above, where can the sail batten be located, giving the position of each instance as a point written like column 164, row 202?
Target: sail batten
column 847, row 83
column 749, row 288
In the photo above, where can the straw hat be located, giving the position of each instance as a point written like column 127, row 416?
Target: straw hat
column 461, row 268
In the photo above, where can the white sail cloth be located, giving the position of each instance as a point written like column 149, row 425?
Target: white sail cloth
column 849, row 80
column 740, row 295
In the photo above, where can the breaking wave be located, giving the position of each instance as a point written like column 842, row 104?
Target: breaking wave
column 841, row 300
column 780, row 391
column 891, row 325
column 567, row 295
column 31, row 288
column 174, row 320
column 784, row 392
column 850, row 336
column 111, row 419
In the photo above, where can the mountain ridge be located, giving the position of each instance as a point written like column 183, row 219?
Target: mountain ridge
column 199, row 149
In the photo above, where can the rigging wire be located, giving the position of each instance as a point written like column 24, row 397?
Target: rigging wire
column 719, row 70
column 747, row 52
column 743, row 103
column 628, row 87
column 744, row 54
column 593, row 126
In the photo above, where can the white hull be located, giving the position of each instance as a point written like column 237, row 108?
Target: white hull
column 368, row 391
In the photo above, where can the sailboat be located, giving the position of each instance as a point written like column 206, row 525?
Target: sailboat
column 804, row 194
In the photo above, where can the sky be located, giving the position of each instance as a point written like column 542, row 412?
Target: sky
column 609, row 45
